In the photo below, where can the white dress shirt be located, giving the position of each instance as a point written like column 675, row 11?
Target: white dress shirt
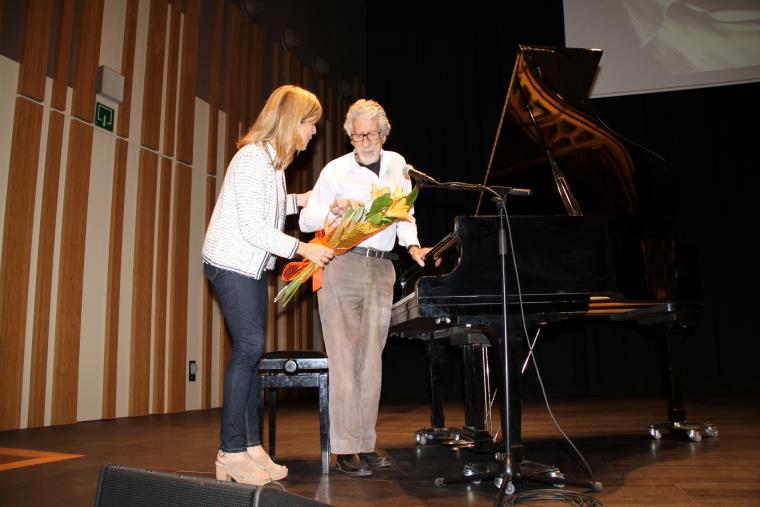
column 344, row 178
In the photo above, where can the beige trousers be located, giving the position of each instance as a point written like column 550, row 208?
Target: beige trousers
column 355, row 310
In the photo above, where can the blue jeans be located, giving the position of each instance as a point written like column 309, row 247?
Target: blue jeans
column 244, row 306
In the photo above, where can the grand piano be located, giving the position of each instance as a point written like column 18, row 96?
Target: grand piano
column 593, row 241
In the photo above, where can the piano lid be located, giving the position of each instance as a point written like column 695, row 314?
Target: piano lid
column 550, row 140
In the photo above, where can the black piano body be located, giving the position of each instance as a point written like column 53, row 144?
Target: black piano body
column 594, row 239
column 561, row 261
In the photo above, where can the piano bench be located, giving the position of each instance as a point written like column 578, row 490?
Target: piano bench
column 295, row 368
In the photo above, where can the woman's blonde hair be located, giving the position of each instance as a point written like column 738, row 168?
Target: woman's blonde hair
column 278, row 122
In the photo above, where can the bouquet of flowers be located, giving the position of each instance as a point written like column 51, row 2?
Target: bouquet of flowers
column 345, row 233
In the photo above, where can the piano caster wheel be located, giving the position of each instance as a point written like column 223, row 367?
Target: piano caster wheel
column 655, row 433
column 510, row 489
column 421, row 439
column 711, row 430
column 694, row 435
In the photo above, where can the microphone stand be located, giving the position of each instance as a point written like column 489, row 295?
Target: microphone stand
column 509, row 470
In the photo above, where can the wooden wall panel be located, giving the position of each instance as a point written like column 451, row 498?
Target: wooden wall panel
column 86, row 70
column 255, row 80
column 62, row 53
column 276, row 64
column 34, row 58
column 44, row 277
column 70, row 274
column 215, row 78
column 17, row 243
column 142, row 284
column 154, row 75
column 183, row 181
column 232, row 79
column 127, row 67
column 188, row 75
column 208, row 307
column 162, row 261
column 113, row 287
column 170, row 110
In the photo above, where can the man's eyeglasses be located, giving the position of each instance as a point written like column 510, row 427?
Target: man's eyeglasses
column 371, row 136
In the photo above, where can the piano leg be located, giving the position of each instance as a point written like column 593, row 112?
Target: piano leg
column 672, row 318
column 674, row 334
column 476, row 371
column 476, row 395
column 436, row 353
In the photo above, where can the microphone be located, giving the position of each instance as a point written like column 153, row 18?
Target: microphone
column 410, row 171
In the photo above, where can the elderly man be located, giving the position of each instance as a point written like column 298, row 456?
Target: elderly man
column 357, row 287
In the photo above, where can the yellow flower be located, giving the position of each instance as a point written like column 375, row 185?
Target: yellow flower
column 377, row 192
column 398, row 209
column 398, row 193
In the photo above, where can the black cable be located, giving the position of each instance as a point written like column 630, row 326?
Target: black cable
column 585, row 464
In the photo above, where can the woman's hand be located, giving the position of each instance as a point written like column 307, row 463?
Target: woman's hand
column 340, row 206
column 316, row 253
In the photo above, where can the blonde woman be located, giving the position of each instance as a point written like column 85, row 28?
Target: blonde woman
column 242, row 240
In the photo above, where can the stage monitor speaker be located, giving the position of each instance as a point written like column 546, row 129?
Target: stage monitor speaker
column 122, row 486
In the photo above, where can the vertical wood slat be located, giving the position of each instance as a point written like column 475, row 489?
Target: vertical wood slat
column 46, row 244
column 232, row 79
column 16, row 248
column 188, row 76
column 208, row 295
column 162, row 261
column 86, row 71
column 71, row 274
column 276, row 65
column 61, row 75
column 180, row 234
column 242, row 86
column 215, row 78
column 113, row 287
column 127, row 67
column 322, row 139
column 171, row 80
column 142, row 285
column 255, row 82
column 34, row 57
column 154, row 75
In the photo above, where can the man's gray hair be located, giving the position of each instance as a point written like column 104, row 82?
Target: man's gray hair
column 367, row 110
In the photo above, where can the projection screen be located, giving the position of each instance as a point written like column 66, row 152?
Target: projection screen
column 659, row 45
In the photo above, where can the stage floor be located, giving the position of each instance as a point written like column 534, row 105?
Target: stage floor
column 61, row 465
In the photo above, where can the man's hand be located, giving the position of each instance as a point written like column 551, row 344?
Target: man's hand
column 418, row 254
column 316, row 253
column 303, row 199
column 340, row 206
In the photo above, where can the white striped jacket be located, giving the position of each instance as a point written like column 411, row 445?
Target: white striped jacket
column 245, row 231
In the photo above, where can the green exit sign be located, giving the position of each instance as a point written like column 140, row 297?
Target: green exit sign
column 104, row 116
